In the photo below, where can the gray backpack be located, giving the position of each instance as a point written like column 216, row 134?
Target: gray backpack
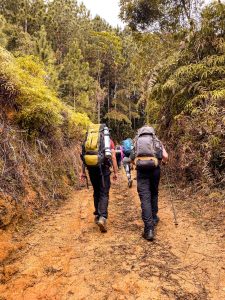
column 147, row 146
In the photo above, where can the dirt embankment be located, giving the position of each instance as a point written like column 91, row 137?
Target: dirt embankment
column 64, row 256
column 34, row 174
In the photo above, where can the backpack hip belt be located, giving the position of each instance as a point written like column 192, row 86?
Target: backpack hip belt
column 147, row 158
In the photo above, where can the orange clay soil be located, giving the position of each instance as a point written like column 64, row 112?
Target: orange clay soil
column 65, row 256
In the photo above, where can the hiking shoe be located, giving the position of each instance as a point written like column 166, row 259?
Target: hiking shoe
column 96, row 219
column 130, row 183
column 149, row 236
column 155, row 220
column 102, row 224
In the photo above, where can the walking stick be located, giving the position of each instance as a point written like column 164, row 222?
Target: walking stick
column 171, row 199
column 86, row 178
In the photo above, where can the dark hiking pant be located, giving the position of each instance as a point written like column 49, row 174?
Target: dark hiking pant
column 118, row 159
column 101, row 191
column 147, row 186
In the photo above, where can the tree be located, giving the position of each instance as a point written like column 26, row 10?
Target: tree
column 64, row 22
column 38, row 15
column 3, row 36
column 43, row 48
column 99, row 24
column 45, row 53
column 158, row 14
column 75, row 79
column 186, row 98
column 16, row 12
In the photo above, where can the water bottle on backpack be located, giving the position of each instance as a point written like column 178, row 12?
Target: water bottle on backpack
column 96, row 147
column 108, row 153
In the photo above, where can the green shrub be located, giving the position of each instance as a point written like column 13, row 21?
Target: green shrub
column 38, row 109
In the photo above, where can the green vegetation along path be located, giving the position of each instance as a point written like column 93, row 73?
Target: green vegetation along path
column 66, row 257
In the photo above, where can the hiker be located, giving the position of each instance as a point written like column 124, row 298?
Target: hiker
column 98, row 154
column 149, row 154
column 128, row 147
column 119, row 155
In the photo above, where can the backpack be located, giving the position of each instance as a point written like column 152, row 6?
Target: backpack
column 148, row 148
column 127, row 146
column 94, row 147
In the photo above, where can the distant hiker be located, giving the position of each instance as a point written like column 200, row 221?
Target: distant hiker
column 149, row 153
column 128, row 148
column 119, row 155
column 98, row 154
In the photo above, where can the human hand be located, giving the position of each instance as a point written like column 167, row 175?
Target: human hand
column 83, row 177
column 115, row 176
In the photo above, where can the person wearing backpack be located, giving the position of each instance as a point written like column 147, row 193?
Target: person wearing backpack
column 119, row 155
column 127, row 146
column 149, row 154
column 98, row 154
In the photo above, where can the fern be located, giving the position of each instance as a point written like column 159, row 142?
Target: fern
column 188, row 95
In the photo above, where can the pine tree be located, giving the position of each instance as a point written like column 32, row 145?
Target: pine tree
column 17, row 12
column 3, row 36
column 38, row 15
column 75, row 79
column 43, row 48
column 45, row 53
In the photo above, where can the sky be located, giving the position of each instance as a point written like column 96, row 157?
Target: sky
column 107, row 9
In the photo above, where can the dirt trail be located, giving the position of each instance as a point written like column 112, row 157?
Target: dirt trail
column 66, row 257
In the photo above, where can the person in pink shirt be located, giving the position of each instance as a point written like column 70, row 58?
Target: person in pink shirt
column 119, row 155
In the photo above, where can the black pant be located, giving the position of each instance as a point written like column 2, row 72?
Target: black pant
column 118, row 159
column 147, row 186
column 101, row 190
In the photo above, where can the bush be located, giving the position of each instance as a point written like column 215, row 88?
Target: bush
column 38, row 109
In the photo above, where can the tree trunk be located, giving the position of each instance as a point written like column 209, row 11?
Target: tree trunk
column 99, row 111
column 74, row 100
column 25, row 26
column 108, row 94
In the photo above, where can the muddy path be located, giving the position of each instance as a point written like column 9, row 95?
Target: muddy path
column 66, row 257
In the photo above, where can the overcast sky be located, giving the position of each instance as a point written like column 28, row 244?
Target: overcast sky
column 107, row 9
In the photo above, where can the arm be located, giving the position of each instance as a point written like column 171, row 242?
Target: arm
column 114, row 163
column 133, row 152
column 83, row 173
column 165, row 155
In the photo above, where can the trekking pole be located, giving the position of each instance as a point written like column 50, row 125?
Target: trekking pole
column 86, row 178
column 171, row 199
column 87, row 182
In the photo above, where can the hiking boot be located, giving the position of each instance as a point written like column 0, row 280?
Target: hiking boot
column 149, row 236
column 130, row 183
column 96, row 219
column 102, row 224
column 155, row 220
